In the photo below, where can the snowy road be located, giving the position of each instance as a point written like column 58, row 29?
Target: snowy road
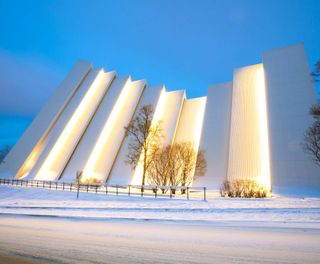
column 55, row 240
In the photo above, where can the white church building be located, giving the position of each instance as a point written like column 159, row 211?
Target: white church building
column 250, row 128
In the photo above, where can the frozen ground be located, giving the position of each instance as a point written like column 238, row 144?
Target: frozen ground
column 43, row 226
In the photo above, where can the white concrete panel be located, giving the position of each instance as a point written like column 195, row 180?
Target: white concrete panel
column 290, row 93
column 109, row 140
column 122, row 172
column 26, row 151
column 71, row 125
column 168, row 112
column 249, row 147
column 85, row 147
column 191, row 121
column 215, row 136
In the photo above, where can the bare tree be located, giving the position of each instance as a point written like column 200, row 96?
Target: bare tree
column 193, row 163
column 312, row 142
column 315, row 111
column 316, row 73
column 144, row 140
column 177, row 165
column 158, row 174
column 4, row 152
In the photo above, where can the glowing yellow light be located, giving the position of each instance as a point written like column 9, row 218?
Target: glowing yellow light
column 30, row 161
column 56, row 154
column 264, row 137
column 191, row 122
column 199, row 126
column 158, row 114
column 199, row 122
column 249, row 144
column 97, row 157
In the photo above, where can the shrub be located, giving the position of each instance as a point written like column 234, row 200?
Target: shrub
column 243, row 189
column 91, row 180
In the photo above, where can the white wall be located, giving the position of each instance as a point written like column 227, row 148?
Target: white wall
column 27, row 150
column 215, row 136
column 168, row 112
column 248, row 145
column 290, row 93
column 85, row 147
column 191, row 121
column 71, row 125
column 109, row 140
column 122, row 172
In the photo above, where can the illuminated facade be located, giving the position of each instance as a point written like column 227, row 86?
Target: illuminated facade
column 250, row 128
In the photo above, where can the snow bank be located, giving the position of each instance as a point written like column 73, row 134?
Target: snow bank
column 42, row 202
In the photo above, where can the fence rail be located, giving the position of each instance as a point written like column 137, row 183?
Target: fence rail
column 180, row 192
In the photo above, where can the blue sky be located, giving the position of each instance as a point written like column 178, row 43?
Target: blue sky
column 182, row 44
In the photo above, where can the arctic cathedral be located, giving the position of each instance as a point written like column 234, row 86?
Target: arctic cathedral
column 250, row 128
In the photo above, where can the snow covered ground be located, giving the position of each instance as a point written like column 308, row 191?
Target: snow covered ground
column 279, row 211
column 47, row 226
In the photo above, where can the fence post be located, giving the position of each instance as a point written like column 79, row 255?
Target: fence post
column 106, row 189
column 37, row 184
column 31, row 183
column 129, row 190
column 156, row 192
column 96, row 188
column 170, row 192
column 88, row 187
column 117, row 189
column 204, row 194
column 70, row 186
column 188, row 192
column 56, row 185
column 78, row 190
column 63, row 186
